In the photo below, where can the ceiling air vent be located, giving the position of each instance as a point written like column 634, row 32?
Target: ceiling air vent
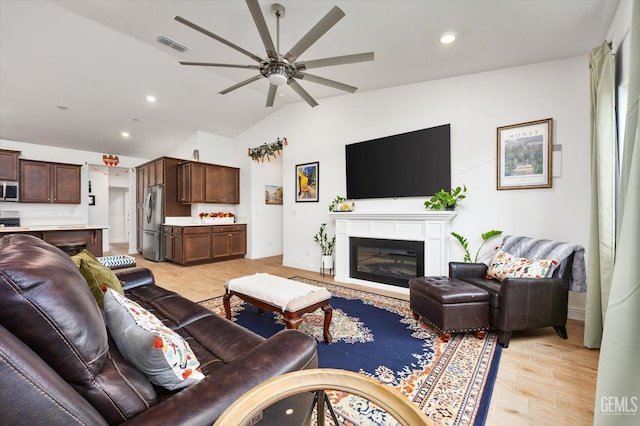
column 171, row 43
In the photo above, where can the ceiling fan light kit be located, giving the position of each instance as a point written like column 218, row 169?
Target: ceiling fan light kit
column 281, row 69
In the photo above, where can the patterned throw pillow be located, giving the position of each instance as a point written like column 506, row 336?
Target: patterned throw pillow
column 505, row 265
column 153, row 348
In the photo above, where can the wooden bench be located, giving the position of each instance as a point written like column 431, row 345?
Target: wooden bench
column 291, row 298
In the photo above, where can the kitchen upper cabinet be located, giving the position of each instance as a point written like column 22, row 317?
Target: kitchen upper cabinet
column 222, row 184
column 191, row 182
column 43, row 182
column 9, row 164
column 66, row 183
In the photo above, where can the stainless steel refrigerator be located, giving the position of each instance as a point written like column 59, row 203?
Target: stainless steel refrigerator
column 152, row 241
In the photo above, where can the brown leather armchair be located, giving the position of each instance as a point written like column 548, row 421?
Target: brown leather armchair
column 521, row 303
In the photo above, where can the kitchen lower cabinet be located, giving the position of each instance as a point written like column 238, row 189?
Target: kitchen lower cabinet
column 196, row 244
column 229, row 241
column 187, row 245
column 173, row 244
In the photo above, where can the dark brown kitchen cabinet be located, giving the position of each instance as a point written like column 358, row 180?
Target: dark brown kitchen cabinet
column 187, row 245
column 191, row 181
column 222, row 184
column 196, row 244
column 43, row 182
column 173, row 247
column 9, row 164
column 229, row 241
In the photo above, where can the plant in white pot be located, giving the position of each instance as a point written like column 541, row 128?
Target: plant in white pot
column 327, row 246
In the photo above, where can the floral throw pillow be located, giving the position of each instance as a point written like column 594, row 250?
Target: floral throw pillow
column 157, row 351
column 505, row 265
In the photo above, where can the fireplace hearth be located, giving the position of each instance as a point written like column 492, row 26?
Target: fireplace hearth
column 386, row 261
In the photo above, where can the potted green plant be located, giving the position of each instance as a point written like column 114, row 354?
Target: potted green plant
column 465, row 243
column 327, row 246
column 340, row 204
column 446, row 199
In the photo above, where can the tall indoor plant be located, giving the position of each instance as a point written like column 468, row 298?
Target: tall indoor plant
column 465, row 243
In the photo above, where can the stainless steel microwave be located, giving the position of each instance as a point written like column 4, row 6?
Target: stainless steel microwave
column 9, row 191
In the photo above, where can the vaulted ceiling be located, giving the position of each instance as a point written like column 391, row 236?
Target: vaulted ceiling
column 76, row 73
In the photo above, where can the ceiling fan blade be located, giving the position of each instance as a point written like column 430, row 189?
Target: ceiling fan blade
column 327, row 82
column 209, row 64
column 300, row 91
column 261, row 24
column 216, row 37
column 271, row 96
column 336, row 60
column 324, row 25
column 242, row 83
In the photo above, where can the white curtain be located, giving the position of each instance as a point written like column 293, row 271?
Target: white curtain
column 618, row 386
column 603, row 190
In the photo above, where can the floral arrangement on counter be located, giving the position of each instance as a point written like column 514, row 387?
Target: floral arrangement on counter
column 267, row 150
column 204, row 215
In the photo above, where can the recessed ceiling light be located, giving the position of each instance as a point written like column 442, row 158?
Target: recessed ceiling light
column 151, row 98
column 125, row 134
column 448, row 38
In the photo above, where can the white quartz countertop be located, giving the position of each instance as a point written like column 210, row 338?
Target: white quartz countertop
column 11, row 229
column 202, row 224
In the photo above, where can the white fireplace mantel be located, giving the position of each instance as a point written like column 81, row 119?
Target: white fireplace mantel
column 432, row 227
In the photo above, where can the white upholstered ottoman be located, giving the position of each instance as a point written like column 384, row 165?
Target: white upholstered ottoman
column 292, row 298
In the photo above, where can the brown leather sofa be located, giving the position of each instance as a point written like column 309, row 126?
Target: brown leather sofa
column 521, row 303
column 59, row 365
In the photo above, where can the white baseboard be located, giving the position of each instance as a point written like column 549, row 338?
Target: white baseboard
column 576, row 313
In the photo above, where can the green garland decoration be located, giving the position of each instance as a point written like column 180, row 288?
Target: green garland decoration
column 267, row 150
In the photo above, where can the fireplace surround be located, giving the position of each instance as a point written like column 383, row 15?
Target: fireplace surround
column 431, row 229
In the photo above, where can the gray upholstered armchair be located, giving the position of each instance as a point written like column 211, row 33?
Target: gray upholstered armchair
column 528, row 303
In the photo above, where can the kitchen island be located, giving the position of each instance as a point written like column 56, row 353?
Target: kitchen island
column 88, row 236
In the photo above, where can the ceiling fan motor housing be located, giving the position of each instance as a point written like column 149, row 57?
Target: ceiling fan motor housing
column 277, row 71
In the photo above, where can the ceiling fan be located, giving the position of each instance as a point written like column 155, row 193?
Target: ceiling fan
column 283, row 69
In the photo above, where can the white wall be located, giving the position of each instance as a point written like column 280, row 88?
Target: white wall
column 475, row 105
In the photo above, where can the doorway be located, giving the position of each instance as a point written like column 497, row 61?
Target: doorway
column 118, row 215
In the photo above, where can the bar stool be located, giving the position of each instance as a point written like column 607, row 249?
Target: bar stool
column 71, row 247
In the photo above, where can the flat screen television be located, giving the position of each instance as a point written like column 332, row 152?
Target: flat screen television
column 413, row 164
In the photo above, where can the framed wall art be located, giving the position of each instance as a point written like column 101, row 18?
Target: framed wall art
column 273, row 194
column 524, row 155
column 307, row 177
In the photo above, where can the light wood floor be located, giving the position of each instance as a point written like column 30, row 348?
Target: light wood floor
column 542, row 378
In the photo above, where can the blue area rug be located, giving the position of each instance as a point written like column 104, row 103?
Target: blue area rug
column 378, row 337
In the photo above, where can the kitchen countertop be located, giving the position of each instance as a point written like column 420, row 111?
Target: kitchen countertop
column 12, row 229
column 202, row 224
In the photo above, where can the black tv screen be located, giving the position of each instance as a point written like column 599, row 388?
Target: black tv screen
column 413, row 164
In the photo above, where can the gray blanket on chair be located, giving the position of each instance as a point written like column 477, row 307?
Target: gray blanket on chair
column 533, row 248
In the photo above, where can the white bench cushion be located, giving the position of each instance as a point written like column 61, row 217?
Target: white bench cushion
column 286, row 294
